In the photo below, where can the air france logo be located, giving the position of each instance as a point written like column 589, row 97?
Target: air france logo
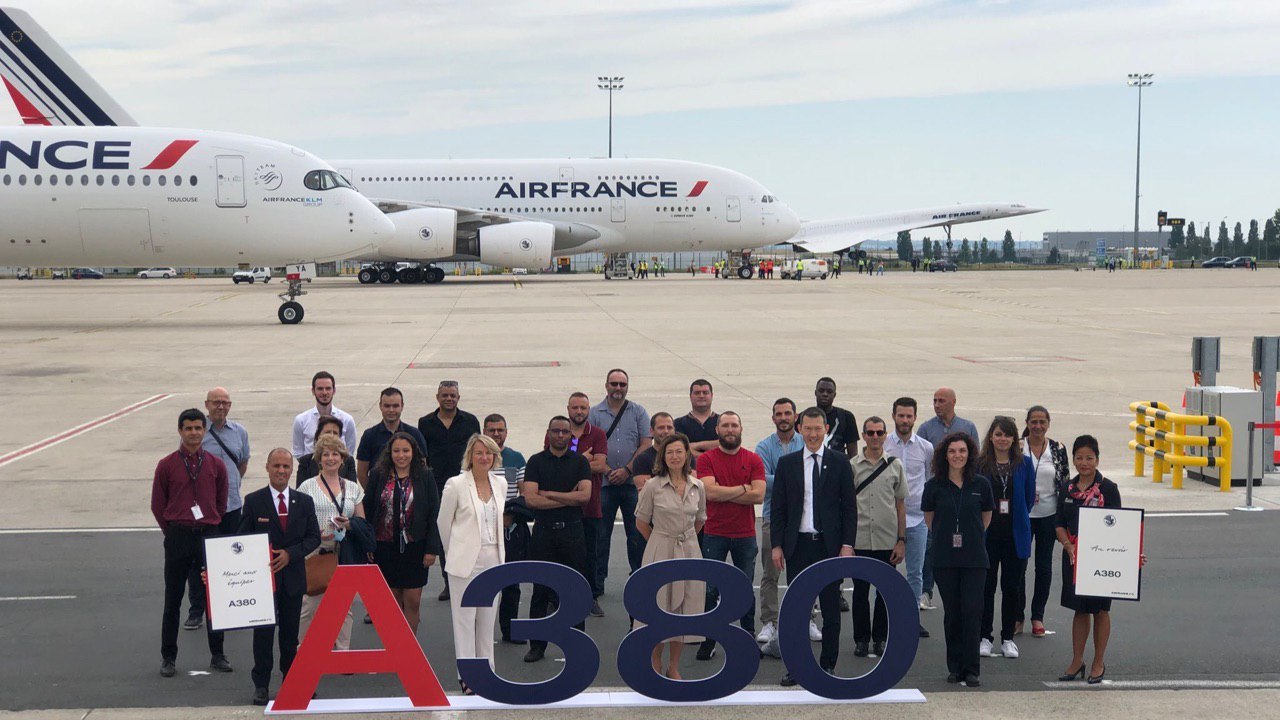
column 268, row 177
column 525, row 244
column 425, row 233
column 1110, row 520
column 237, row 548
column 615, row 189
column 81, row 154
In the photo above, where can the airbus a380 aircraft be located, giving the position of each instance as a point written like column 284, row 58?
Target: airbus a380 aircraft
column 518, row 213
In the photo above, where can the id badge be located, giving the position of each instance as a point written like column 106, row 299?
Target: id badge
column 957, row 540
column 1004, row 507
column 196, row 512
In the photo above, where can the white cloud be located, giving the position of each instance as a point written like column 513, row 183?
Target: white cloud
column 318, row 70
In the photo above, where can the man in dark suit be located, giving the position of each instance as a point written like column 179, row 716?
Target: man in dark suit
column 289, row 519
column 814, row 516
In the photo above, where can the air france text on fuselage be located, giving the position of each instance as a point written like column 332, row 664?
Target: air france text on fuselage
column 950, row 216
column 80, row 154
column 644, row 188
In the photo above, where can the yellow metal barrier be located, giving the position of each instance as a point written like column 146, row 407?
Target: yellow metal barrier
column 1160, row 434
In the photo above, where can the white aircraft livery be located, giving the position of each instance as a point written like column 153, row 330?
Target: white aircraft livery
column 512, row 213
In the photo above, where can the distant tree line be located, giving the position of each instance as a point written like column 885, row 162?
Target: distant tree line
column 982, row 251
column 1230, row 243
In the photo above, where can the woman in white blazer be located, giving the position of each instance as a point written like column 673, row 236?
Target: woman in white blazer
column 470, row 523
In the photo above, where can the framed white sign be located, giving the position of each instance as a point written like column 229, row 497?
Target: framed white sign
column 241, row 588
column 1109, row 552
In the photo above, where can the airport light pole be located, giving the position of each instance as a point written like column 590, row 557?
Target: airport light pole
column 610, row 84
column 1138, row 80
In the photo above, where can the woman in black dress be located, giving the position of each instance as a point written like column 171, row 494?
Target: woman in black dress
column 402, row 502
column 1087, row 489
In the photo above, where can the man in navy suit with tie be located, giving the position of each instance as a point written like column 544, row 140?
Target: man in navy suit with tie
column 814, row 516
column 289, row 519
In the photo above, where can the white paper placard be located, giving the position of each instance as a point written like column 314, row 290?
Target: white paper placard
column 241, row 590
column 1108, row 553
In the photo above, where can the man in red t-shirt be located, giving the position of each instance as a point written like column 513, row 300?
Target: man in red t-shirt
column 734, row 481
column 591, row 442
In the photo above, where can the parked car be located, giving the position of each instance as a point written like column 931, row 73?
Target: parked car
column 252, row 275
column 943, row 266
column 1216, row 262
column 1244, row 261
column 57, row 274
column 86, row 274
column 519, row 271
column 158, row 272
column 24, row 274
column 814, row 268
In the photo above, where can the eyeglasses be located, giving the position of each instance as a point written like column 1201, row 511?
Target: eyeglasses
column 873, row 433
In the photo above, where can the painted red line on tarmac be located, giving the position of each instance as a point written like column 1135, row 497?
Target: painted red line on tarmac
column 80, row 429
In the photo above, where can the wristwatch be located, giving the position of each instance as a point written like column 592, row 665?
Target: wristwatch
column 901, row 539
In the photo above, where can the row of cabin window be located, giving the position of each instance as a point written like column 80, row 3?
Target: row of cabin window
column 70, row 180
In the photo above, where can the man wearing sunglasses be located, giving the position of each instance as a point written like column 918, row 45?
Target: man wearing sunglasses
column 881, row 489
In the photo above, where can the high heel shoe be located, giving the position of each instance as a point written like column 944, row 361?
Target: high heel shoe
column 1097, row 679
column 1075, row 675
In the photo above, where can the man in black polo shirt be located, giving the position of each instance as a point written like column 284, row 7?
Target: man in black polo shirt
column 557, row 483
column 372, row 442
column 446, row 431
column 842, row 426
column 700, row 424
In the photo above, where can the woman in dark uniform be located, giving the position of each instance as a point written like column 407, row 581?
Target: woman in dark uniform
column 402, row 502
column 309, row 466
column 957, row 505
column 1087, row 489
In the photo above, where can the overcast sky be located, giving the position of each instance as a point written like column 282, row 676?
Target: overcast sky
column 841, row 107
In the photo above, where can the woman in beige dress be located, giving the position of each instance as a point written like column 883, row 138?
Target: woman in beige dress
column 670, row 513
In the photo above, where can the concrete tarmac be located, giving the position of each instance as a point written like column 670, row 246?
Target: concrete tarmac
column 96, row 372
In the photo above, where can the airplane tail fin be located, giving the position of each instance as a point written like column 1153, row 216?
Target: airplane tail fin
column 45, row 83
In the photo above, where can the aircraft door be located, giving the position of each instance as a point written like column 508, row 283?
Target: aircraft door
column 619, row 210
column 230, row 181
column 733, row 209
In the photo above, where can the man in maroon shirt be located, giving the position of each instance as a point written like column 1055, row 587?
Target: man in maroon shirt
column 734, row 481
column 188, row 494
column 590, row 442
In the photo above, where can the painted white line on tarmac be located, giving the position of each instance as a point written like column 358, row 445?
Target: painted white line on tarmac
column 1187, row 514
column 81, row 429
column 37, row 597
column 71, row 531
column 1172, row 684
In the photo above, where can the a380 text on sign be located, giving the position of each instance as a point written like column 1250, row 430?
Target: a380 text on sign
column 401, row 654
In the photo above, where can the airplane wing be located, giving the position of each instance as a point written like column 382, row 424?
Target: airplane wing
column 827, row 236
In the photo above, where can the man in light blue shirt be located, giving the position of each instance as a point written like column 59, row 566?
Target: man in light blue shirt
column 771, row 449
column 626, row 426
column 229, row 442
column 916, row 455
column 945, row 420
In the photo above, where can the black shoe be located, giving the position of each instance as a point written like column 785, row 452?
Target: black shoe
column 1097, row 679
column 507, row 639
column 707, row 650
column 923, row 632
column 877, row 649
column 952, row 678
column 193, row 622
column 167, row 669
column 260, row 696
column 596, row 610
column 219, row 663
column 844, row 604
column 972, row 681
column 534, row 655
column 787, row 680
column 860, row 649
column 444, row 594
column 368, row 620
column 1077, row 675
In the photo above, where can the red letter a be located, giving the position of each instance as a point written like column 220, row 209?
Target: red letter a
column 401, row 654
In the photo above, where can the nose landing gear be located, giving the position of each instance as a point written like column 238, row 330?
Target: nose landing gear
column 291, row 312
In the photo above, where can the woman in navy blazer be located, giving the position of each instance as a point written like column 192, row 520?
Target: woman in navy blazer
column 1013, row 485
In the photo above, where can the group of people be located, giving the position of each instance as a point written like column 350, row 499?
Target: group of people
column 641, row 270
column 958, row 513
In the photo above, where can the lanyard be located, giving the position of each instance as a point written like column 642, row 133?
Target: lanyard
column 194, row 476
column 956, row 497
column 336, row 504
column 1032, row 454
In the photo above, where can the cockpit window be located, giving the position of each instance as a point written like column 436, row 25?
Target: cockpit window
column 325, row 180
column 768, row 199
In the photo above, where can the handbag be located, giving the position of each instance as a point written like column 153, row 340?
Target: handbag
column 320, row 569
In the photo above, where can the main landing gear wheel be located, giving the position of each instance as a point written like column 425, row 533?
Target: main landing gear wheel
column 410, row 276
column 368, row 276
column 386, row 276
column 433, row 275
column 290, row 313
column 745, row 272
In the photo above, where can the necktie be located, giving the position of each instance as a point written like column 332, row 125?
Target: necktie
column 283, row 511
column 817, row 467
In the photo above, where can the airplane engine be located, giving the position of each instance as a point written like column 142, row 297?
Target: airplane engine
column 517, row 244
column 421, row 234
